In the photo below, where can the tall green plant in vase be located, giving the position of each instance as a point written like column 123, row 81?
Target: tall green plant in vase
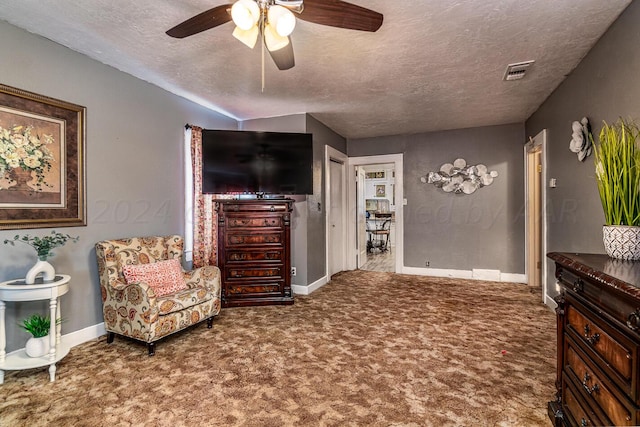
column 617, row 161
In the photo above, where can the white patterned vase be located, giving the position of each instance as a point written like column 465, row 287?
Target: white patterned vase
column 622, row 241
column 40, row 267
column 37, row 347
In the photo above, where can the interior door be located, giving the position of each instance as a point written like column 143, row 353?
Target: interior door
column 336, row 225
column 534, row 217
column 361, row 217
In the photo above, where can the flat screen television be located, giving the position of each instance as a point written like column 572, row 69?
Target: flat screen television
column 263, row 163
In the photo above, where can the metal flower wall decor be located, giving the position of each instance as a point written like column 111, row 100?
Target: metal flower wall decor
column 581, row 139
column 460, row 178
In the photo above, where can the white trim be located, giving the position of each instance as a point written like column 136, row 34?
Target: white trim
column 83, row 335
column 465, row 274
column 188, row 197
column 306, row 290
column 397, row 160
column 540, row 140
column 484, row 274
column 340, row 157
column 513, row 277
column 549, row 302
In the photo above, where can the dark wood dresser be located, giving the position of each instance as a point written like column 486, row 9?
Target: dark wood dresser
column 254, row 251
column 598, row 339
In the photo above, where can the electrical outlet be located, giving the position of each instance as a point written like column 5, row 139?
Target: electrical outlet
column 293, row 271
column 426, row 264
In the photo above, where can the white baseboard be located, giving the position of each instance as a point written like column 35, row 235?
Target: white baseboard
column 438, row 272
column 513, row 277
column 475, row 274
column 306, row 290
column 482, row 274
column 83, row 335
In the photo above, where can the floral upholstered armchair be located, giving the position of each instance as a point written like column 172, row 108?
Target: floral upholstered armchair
column 146, row 295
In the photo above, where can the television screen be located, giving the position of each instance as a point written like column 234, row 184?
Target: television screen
column 240, row 162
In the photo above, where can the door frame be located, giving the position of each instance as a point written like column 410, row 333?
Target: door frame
column 338, row 156
column 535, row 143
column 352, row 223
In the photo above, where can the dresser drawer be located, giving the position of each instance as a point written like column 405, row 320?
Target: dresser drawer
column 595, row 388
column 236, row 239
column 617, row 306
column 578, row 412
column 253, row 222
column 254, row 255
column 253, row 289
column 602, row 342
column 267, row 272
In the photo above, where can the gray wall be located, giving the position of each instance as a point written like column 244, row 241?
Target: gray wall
column 292, row 123
column 308, row 223
column 604, row 86
column 316, row 224
column 483, row 230
column 134, row 164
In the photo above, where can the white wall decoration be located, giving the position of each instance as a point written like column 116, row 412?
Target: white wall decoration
column 581, row 139
column 460, row 178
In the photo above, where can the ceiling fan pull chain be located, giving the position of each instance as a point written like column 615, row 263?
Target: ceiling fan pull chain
column 262, row 56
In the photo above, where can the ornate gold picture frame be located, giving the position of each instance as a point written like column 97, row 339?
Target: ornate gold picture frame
column 42, row 161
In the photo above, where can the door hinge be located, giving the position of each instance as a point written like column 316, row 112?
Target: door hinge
column 539, row 264
column 539, row 168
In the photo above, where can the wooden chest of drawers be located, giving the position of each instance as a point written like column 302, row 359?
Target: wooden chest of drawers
column 598, row 340
column 254, row 252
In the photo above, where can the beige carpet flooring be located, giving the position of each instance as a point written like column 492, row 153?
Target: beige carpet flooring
column 367, row 349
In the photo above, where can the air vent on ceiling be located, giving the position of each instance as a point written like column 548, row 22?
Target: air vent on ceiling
column 517, row 71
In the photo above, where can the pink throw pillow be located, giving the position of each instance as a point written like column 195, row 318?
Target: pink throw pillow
column 165, row 277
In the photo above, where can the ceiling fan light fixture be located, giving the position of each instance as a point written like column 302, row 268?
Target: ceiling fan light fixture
column 282, row 19
column 245, row 14
column 248, row 37
column 273, row 40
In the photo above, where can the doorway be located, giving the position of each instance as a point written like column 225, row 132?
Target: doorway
column 376, row 207
column 376, row 188
column 535, row 223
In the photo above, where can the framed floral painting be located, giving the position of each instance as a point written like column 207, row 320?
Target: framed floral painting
column 42, row 161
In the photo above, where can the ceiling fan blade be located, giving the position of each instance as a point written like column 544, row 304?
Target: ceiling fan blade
column 206, row 20
column 338, row 13
column 283, row 58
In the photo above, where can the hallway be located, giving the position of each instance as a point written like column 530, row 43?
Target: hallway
column 380, row 261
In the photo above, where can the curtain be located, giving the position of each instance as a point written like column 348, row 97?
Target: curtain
column 205, row 227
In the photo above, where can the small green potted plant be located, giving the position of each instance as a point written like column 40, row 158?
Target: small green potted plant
column 617, row 161
column 39, row 343
column 44, row 247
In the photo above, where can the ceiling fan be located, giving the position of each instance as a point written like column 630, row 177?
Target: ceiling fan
column 274, row 21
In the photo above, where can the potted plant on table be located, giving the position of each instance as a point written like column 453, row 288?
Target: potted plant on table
column 617, row 161
column 44, row 247
column 39, row 343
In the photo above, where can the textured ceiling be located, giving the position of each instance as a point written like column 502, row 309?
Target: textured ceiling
column 433, row 65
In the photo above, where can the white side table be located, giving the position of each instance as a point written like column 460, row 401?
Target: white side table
column 17, row 290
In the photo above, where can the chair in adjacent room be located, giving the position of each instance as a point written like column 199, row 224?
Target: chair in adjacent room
column 146, row 294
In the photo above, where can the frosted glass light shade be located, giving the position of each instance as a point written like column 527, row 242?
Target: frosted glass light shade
column 248, row 37
column 245, row 14
column 273, row 40
column 282, row 20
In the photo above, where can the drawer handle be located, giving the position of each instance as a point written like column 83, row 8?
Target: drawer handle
column 633, row 320
column 584, row 423
column 578, row 285
column 585, row 384
column 593, row 339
